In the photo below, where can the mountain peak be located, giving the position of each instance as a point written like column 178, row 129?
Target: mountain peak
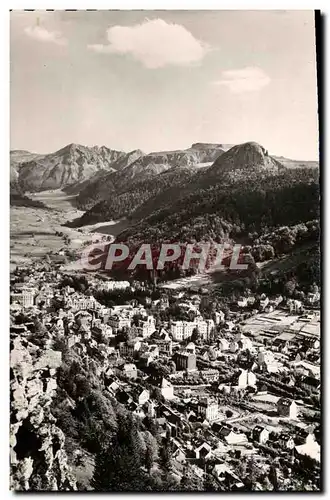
column 205, row 145
column 69, row 165
column 249, row 152
column 249, row 156
column 137, row 152
column 69, row 148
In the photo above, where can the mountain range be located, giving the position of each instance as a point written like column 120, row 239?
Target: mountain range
column 165, row 191
column 159, row 180
column 145, row 168
column 70, row 165
column 243, row 191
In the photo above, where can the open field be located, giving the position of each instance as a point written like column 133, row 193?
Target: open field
column 284, row 325
column 276, row 322
column 198, row 280
column 109, row 228
column 34, row 232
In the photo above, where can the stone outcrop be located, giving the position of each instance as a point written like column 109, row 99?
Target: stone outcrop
column 37, row 454
column 70, row 165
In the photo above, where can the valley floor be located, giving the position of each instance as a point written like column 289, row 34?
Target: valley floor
column 34, row 232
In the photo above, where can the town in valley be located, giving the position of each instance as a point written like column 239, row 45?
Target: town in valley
column 225, row 392
column 165, row 257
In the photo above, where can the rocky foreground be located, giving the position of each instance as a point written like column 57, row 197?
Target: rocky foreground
column 36, row 443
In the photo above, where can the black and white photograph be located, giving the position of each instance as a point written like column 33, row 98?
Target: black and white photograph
column 165, row 255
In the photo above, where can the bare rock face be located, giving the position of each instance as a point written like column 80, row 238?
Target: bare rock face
column 244, row 159
column 137, row 167
column 71, row 164
column 37, row 454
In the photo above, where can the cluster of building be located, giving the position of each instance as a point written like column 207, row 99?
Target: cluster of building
column 242, row 388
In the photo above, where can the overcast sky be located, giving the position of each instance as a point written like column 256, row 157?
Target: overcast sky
column 159, row 80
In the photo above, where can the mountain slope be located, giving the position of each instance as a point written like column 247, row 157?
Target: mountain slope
column 146, row 167
column 17, row 158
column 245, row 157
column 128, row 159
column 234, row 165
column 127, row 200
column 288, row 163
column 71, row 164
column 244, row 190
column 19, row 200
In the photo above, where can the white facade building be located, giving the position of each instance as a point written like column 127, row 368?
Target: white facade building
column 119, row 322
column 25, row 298
column 115, row 285
column 246, row 378
column 183, row 330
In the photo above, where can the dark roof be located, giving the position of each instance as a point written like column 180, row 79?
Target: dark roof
column 313, row 382
column 283, row 436
column 225, row 431
column 258, row 428
column 279, row 341
column 216, row 427
column 284, row 402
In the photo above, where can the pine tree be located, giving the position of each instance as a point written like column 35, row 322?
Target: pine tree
column 118, row 464
column 273, row 477
column 151, row 452
column 165, row 456
column 210, row 483
column 190, row 481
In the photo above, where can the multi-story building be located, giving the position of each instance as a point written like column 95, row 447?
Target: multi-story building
column 165, row 347
column 287, row 408
column 146, row 327
column 313, row 297
column 223, row 345
column 183, row 330
column 81, row 302
column 264, row 301
column 191, row 347
column 129, row 348
column 118, row 322
column 143, row 397
column 25, row 297
column 130, row 370
column 161, row 304
column 128, row 310
column 166, row 389
column 115, row 285
column 44, row 297
column 295, row 306
column 208, row 409
column 244, row 379
column 205, row 327
column 101, row 329
column 210, row 375
column 242, row 302
column 242, row 341
column 219, row 317
column 185, row 361
column 260, row 434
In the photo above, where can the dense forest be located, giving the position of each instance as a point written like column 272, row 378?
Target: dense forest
column 270, row 215
column 20, row 200
column 246, row 196
column 233, row 210
column 128, row 454
column 124, row 201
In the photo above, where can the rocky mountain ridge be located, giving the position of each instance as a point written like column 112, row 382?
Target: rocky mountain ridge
column 72, row 164
column 237, row 163
column 145, row 167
